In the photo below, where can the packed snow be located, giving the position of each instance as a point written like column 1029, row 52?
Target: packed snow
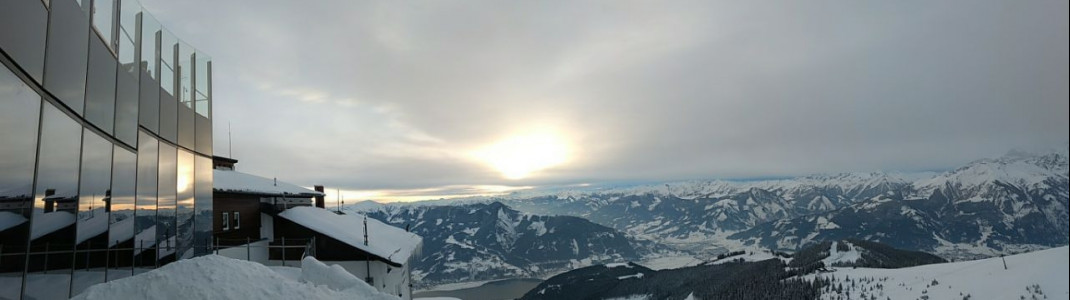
column 217, row 277
column 388, row 242
column 234, row 181
column 1041, row 274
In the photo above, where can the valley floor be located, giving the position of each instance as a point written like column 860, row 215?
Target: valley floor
column 1037, row 275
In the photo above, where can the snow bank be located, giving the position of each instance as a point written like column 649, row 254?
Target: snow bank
column 217, row 277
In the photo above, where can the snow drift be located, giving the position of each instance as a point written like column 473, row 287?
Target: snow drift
column 217, row 277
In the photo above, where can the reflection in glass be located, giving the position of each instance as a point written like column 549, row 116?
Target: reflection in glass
column 150, row 33
column 121, row 207
column 202, row 187
column 168, row 44
column 165, row 208
column 129, row 11
column 185, row 74
column 65, row 54
column 55, row 205
column 126, row 108
column 103, row 20
column 145, row 203
column 149, row 87
column 203, row 82
column 92, row 223
column 18, row 150
column 100, row 87
column 127, row 86
column 185, row 204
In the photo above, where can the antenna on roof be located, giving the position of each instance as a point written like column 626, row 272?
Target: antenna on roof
column 230, row 143
column 365, row 230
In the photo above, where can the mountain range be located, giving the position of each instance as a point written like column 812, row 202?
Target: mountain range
column 485, row 241
column 988, row 207
column 1013, row 203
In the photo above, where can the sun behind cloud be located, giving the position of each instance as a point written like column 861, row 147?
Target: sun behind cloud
column 519, row 156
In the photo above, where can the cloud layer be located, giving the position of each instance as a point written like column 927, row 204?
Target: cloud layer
column 396, row 95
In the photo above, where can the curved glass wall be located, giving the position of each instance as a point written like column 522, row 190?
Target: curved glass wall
column 18, row 152
column 105, row 164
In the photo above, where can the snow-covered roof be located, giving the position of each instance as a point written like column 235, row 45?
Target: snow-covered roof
column 390, row 243
column 45, row 223
column 234, row 181
column 9, row 219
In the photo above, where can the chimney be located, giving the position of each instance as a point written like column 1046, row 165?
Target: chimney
column 319, row 199
column 50, row 204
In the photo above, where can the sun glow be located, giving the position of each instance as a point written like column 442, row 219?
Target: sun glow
column 519, row 156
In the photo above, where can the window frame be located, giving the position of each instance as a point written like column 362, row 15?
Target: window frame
column 237, row 220
column 226, row 220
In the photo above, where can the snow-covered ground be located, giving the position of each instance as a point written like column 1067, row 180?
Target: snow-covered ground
column 670, row 262
column 1036, row 275
column 845, row 258
column 218, row 277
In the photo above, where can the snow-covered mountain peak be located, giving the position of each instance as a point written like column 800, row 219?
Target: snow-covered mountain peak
column 1017, row 168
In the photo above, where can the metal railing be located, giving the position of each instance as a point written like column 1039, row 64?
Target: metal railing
column 66, row 258
column 307, row 247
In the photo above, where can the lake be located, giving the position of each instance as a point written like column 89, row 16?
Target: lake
column 494, row 290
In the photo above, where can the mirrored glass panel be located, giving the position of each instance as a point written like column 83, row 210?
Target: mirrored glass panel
column 165, row 209
column 104, row 20
column 150, row 43
column 129, row 13
column 18, row 150
column 65, row 54
column 100, row 87
column 185, row 74
column 52, row 229
column 186, row 179
column 25, row 46
column 145, row 207
column 203, row 83
column 168, row 55
column 126, row 108
column 121, row 213
column 203, row 126
column 168, row 118
column 202, row 205
column 92, row 223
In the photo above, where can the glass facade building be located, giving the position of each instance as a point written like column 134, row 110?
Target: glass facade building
column 105, row 146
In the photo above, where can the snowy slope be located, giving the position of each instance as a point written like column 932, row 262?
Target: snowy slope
column 217, row 277
column 980, row 279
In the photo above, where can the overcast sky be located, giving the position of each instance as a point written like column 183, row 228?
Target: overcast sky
column 395, row 96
